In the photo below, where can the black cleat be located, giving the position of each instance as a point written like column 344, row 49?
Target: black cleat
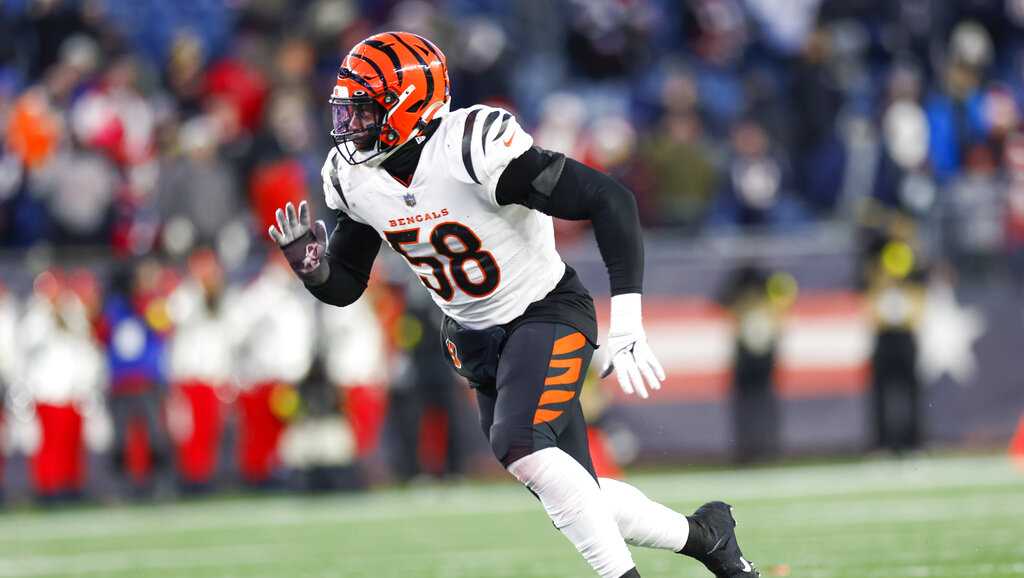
column 724, row 559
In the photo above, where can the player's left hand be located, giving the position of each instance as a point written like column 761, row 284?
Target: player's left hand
column 303, row 243
column 628, row 353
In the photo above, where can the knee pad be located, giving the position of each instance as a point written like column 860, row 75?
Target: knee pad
column 564, row 487
column 622, row 500
column 620, row 492
column 510, row 443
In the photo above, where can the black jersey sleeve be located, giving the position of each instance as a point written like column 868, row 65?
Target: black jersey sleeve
column 351, row 250
column 567, row 189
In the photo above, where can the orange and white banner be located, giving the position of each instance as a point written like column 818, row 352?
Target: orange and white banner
column 824, row 347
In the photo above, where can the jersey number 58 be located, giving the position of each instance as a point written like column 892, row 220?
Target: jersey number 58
column 468, row 249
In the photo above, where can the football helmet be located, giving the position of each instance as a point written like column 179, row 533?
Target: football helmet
column 389, row 87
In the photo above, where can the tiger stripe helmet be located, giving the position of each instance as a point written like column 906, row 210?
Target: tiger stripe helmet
column 389, row 87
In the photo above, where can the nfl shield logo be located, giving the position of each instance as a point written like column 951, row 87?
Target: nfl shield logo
column 410, row 200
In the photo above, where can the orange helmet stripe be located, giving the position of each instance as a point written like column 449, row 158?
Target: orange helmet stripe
column 396, row 64
column 430, row 46
column 424, row 68
column 354, row 76
column 442, row 81
column 367, row 61
column 376, row 68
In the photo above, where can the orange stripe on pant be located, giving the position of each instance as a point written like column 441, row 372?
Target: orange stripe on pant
column 546, row 415
column 568, row 344
column 572, row 367
column 552, row 396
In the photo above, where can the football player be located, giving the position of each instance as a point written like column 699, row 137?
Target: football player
column 467, row 199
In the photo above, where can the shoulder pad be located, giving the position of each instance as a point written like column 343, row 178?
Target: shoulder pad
column 331, row 175
column 480, row 141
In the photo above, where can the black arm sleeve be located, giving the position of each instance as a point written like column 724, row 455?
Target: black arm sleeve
column 562, row 187
column 351, row 250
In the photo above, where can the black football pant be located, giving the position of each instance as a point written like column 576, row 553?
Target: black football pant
column 534, row 402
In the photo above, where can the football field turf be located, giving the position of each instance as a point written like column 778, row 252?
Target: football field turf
column 928, row 516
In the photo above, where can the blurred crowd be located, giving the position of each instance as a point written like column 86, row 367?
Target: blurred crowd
column 171, row 376
column 152, row 141
column 135, row 126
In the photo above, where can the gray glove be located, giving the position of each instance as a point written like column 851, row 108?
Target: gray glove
column 303, row 245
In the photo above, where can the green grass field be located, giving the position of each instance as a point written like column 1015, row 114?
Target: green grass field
column 930, row 516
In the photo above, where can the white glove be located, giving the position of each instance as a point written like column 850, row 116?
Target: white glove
column 290, row 226
column 302, row 243
column 628, row 352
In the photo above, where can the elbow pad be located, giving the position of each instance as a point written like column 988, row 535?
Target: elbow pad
column 530, row 178
column 547, row 179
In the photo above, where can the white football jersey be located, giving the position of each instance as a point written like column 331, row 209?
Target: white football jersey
column 482, row 262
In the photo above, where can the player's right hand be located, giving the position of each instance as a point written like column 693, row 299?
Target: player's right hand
column 629, row 356
column 303, row 244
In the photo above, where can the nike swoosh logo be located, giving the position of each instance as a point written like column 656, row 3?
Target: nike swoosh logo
column 746, row 565
column 508, row 143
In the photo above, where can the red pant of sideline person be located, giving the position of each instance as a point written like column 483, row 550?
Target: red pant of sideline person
column 57, row 465
column 196, row 423
column 263, row 410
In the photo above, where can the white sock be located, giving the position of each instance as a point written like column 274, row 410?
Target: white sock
column 642, row 521
column 575, row 504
